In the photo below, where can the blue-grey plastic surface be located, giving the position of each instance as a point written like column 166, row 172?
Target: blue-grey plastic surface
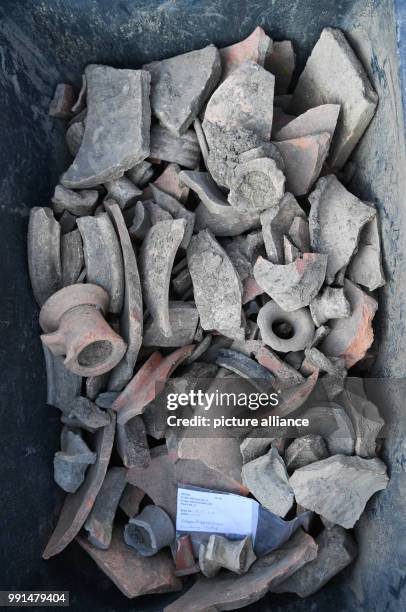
column 43, row 42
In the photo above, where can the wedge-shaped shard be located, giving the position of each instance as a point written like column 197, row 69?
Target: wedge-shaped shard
column 258, row 184
column 291, row 253
column 44, row 253
column 314, row 121
column 156, row 261
column 183, row 319
column 365, row 268
column 117, row 126
column 284, row 373
column 294, row 285
column 123, row 191
column 140, row 222
column 177, row 211
column 281, row 62
column 333, row 74
column 330, row 304
column 183, row 150
column 72, row 257
column 303, row 158
column 245, row 367
column 214, row 212
column 339, row 487
column 216, row 284
column 335, row 221
column 132, row 443
column 77, row 507
column 256, row 47
column 88, row 414
column 99, row 523
column 131, row 313
column 72, row 461
column 103, row 258
column 169, row 182
column 62, row 384
column 276, row 224
column 141, row 173
column 299, row 234
column 180, row 85
column 350, row 338
column 78, row 203
column 299, row 325
column 305, row 450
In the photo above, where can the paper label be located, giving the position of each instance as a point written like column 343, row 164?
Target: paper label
column 214, row 512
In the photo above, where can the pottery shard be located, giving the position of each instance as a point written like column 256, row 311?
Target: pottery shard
column 257, row 184
column 335, row 221
column 299, row 234
column 294, row 285
column 333, row 74
column 156, row 261
column 170, row 182
column 276, row 223
column 365, row 268
column 140, row 222
column 141, row 173
column 229, row 592
column 291, row 253
column 130, row 500
column 256, row 47
column 330, row 304
column 216, row 284
column 44, row 253
column 245, row 367
column 103, row 257
column 303, row 158
column 350, row 338
column 234, row 555
column 180, row 85
column 177, row 211
column 62, row 384
column 314, row 121
column 214, row 212
column 366, row 421
column 339, row 487
column 71, row 257
column 183, row 319
column 77, row 507
column 74, row 137
column 132, row 313
column 72, row 461
column 155, row 213
column 281, row 62
column 88, row 414
column 62, row 102
column 132, row 574
column 285, row 375
column 78, row 203
column 123, row 191
column 334, row 425
column 238, row 117
column 267, row 479
column 183, row 150
column 305, row 450
column 336, row 549
column 132, row 443
column 117, row 126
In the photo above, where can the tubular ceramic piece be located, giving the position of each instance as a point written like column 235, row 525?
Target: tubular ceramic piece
column 103, row 257
column 72, row 461
column 123, row 191
column 256, row 47
column 62, row 384
column 180, row 86
column 183, row 319
column 140, row 223
column 177, row 211
column 117, row 126
column 131, row 318
column 141, row 173
column 294, row 285
column 62, row 102
column 169, row 182
column 300, row 321
column 236, row 556
column 245, row 367
column 72, row 257
column 156, row 261
column 74, row 137
column 281, row 62
column 314, row 121
column 99, row 523
column 336, row 219
column 87, row 413
column 183, row 150
column 44, row 253
column 73, row 321
column 76, row 507
column 330, row 304
column 257, row 184
column 275, row 225
column 216, row 285
column 214, row 212
column 150, row 531
column 78, row 203
column 132, row 443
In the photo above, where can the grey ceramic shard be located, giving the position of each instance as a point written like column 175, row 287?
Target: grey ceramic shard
column 74, row 137
column 291, row 253
column 330, row 304
column 62, row 384
column 281, row 62
column 275, row 225
column 201, row 138
column 141, row 173
column 177, row 211
column 334, row 425
column 366, row 421
column 44, row 253
column 183, row 319
column 150, row 531
column 67, row 221
column 314, row 121
column 294, row 285
column 365, row 267
column 180, row 85
column 123, row 191
column 169, row 182
column 107, row 399
column 71, row 462
column 62, row 102
column 299, row 321
column 207, row 567
column 299, row 234
column 245, row 367
column 99, row 523
column 117, row 126
column 335, row 221
column 155, row 213
column 257, row 184
column 132, row 313
column 156, row 261
column 216, row 284
column 237, row 556
column 182, row 282
column 265, row 149
column 87, row 413
column 80, row 102
column 214, row 212
column 141, row 222
column 333, row 74
column 252, row 448
column 72, row 257
column 79, row 203
column 132, row 443
column 339, row 487
column 335, row 550
column 183, row 150
column 305, row 450
column 267, row 479
column 103, row 258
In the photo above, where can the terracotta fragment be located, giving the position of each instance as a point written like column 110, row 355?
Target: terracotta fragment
column 183, row 319
column 79, row 203
column 334, row 425
column 183, row 556
column 99, row 523
column 123, row 191
column 183, row 150
column 300, row 321
column 117, row 126
column 276, row 223
column 96, row 384
column 283, row 372
column 44, row 258
column 177, row 210
column 155, row 213
column 170, row 182
column 281, row 62
column 72, row 258
column 62, row 102
column 314, row 121
column 256, row 47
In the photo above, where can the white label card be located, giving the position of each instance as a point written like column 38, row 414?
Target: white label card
column 213, row 512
